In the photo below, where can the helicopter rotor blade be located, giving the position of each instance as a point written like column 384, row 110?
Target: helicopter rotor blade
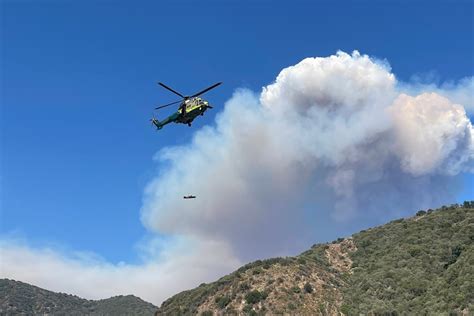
column 163, row 106
column 205, row 90
column 168, row 88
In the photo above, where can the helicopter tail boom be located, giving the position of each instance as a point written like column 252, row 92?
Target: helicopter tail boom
column 160, row 124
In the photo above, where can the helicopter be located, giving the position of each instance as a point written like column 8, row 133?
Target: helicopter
column 189, row 107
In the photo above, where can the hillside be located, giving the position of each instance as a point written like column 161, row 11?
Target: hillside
column 18, row 298
column 418, row 265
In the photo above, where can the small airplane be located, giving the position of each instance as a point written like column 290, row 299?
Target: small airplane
column 189, row 108
column 189, row 197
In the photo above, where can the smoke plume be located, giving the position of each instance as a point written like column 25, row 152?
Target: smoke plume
column 331, row 140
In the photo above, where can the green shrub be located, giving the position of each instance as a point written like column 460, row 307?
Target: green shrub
column 254, row 297
column 247, row 308
column 222, row 301
column 346, row 309
column 295, row 289
column 308, row 288
column 244, row 286
column 257, row 270
column 420, row 213
column 322, row 308
column 414, row 251
column 455, row 253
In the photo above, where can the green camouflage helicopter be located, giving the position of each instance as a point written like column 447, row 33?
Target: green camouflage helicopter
column 190, row 107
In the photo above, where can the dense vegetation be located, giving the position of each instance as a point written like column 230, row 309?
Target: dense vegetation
column 18, row 298
column 423, row 265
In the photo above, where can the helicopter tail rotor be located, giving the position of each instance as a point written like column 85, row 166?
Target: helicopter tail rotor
column 156, row 123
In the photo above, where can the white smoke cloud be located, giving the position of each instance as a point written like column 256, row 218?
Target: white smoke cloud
column 333, row 145
column 334, row 124
column 180, row 266
column 433, row 135
column 460, row 92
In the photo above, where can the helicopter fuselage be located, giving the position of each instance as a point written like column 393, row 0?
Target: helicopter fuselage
column 188, row 110
column 192, row 108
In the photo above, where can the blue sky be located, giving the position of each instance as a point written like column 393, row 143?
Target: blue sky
column 79, row 85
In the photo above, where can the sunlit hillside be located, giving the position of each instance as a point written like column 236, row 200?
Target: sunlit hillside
column 418, row 265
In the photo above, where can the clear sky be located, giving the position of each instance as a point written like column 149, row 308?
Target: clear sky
column 79, row 85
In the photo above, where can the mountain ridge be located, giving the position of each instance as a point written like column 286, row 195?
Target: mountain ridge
column 19, row 298
column 417, row 265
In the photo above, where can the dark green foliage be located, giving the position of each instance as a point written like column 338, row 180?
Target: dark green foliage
column 295, row 289
column 315, row 255
column 308, row 288
column 265, row 264
column 301, row 260
column 255, row 296
column 257, row 270
column 244, row 287
column 414, row 250
column 291, row 306
column 207, row 313
column 247, row 308
column 346, row 309
column 421, row 267
column 322, row 308
column 222, row 301
column 420, row 213
column 468, row 204
column 455, row 253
